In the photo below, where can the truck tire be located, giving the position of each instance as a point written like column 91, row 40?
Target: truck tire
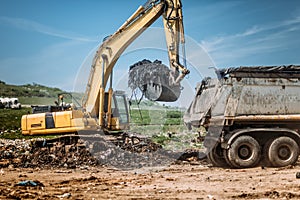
column 225, row 153
column 244, row 152
column 216, row 157
column 265, row 161
column 283, row 151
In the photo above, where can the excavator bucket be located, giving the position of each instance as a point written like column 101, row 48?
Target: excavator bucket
column 155, row 80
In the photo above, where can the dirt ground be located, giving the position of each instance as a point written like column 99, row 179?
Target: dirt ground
column 178, row 181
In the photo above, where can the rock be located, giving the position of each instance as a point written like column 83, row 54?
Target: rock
column 27, row 153
column 65, row 195
column 10, row 167
column 210, row 197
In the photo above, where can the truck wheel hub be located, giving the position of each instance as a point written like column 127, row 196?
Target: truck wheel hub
column 284, row 152
column 244, row 152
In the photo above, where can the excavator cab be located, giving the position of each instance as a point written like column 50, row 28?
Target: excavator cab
column 119, row 115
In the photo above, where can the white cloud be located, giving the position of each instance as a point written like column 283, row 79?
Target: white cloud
column 53, row 65
column 253, row 41
column 30, row 25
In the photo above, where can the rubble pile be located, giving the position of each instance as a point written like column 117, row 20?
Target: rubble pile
column 136, row 144
column 127, row 152
column 26, row 153
column 121, row 152
column 155, row 80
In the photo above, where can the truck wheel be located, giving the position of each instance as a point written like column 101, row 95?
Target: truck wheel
column 225, row 153
column 265, row 161
column 216, row 157
column 283, row 151
column 244, row 152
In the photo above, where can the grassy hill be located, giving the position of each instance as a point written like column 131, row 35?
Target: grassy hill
column 28, row 90
column 30, row 93
column 148, row 117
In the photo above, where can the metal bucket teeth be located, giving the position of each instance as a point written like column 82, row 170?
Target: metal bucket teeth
column 153, row 78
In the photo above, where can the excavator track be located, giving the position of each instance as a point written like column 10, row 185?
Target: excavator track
column 124, row 140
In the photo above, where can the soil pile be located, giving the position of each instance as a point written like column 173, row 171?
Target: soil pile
column 125, row 152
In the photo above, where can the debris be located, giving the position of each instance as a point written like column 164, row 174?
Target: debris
column 30, row 183
column 210, row 196
column 191, row 155
column 28, row 153
column 298, row 175
column 170, row 179
column 65, row 195
column 126, row 151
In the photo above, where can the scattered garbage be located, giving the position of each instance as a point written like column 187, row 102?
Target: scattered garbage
column 30, row 183
column 298, row 175
column 123, row 151
column 65, row 195
column 28, row 153
column 209, row 196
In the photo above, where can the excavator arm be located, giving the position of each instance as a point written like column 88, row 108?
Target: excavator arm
column 112, row 48
column 110, row 107
column 173, row 24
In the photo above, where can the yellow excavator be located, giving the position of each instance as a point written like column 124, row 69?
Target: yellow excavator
column 108, row 110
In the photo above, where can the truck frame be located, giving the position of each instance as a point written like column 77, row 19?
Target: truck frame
column 251, row 116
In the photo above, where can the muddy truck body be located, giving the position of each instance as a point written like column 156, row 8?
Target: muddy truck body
column 251, row 116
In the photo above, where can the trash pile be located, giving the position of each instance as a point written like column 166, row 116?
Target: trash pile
column 27, row 153
column 124, row 152
column 155, row 80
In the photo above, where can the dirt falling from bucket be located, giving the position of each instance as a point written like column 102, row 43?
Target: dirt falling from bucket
column 155, row 80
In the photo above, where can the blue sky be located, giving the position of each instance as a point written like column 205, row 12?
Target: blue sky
column 48, row 42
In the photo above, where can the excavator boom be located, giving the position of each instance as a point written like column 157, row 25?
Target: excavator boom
column 111, row 49
column 108, row 110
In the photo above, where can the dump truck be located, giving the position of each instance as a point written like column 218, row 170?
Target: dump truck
column 250, row 115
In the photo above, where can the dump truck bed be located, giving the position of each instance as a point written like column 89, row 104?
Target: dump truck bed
column 248, row 94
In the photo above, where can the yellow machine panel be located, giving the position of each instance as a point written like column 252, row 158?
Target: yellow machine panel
column 62, row 119
column 33, row 122
column 49, row 123
column 115, row 123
